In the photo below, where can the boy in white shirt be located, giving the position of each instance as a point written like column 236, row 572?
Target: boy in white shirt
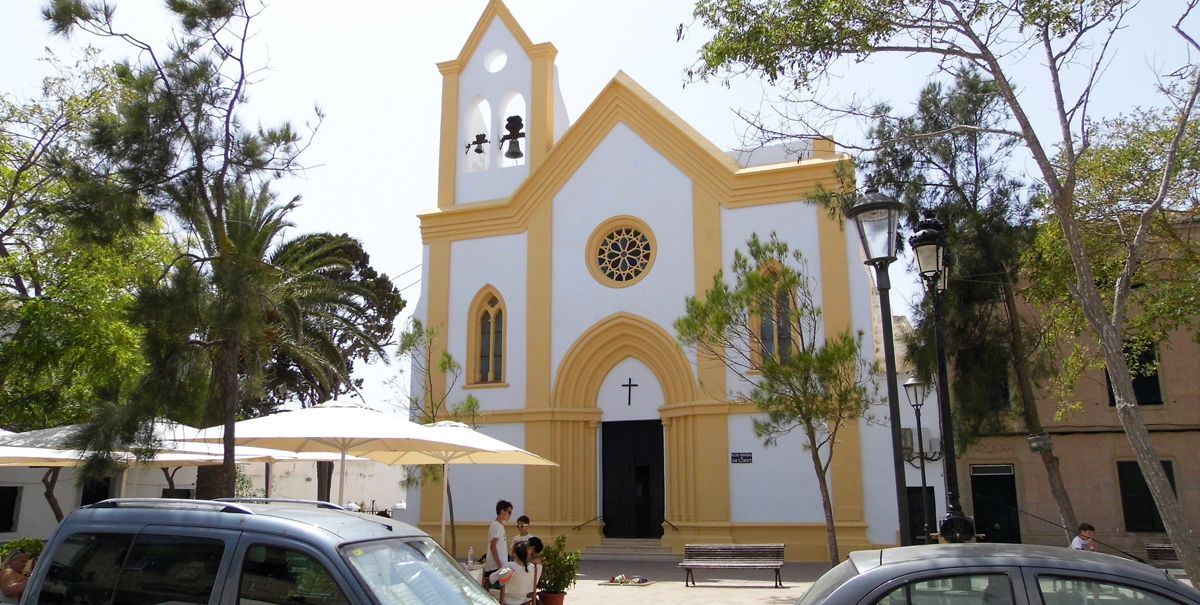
column 495, row 557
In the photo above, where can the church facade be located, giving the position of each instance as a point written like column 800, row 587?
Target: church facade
column 555, row 264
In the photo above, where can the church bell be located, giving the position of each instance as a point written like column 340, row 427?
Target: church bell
column 513, row 125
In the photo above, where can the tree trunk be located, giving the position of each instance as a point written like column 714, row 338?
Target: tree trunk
column 170, row 477
column 210, row 482
column 1130, row 416
column 826, row 503
column 1033, row 423
column 49, row 480
column 226, row 370
column 1148, row 461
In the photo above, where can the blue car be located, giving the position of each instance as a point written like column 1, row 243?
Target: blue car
column 248, row 552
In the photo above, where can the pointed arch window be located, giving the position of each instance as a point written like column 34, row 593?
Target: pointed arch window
column 772, row 330
column 488, row 325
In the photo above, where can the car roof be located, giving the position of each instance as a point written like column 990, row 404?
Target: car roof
column 320, row 522
column 991, row 554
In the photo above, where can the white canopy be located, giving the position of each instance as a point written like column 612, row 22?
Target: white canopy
column 345, row 429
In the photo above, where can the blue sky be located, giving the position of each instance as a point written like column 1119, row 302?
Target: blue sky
column 371, row 66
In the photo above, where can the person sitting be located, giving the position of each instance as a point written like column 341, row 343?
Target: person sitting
column 522, row 576
column 15, row 575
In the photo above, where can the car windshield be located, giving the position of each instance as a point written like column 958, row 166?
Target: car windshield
column 828, row 582
column 402, row 571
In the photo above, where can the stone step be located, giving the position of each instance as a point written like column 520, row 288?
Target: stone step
column 629, row 550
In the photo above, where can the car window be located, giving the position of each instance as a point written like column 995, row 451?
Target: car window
column 412, row 571
column 1063, row 590
column 275, row 575
column 84, row 569
column 175, row 569
column 969, row 589
column 829, row 581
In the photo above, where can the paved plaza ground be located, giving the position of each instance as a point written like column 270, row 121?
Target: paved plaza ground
column 713, row 586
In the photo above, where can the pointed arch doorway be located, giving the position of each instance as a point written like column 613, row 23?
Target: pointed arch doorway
column 627, row 368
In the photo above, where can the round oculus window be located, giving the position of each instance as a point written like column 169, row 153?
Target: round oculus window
column 621, row 252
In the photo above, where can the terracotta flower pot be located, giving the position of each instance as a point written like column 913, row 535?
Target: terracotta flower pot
column 551, row 598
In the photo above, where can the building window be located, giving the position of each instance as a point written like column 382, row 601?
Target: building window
column 620, row 251
column 1137, row 504
column 1146, row 387
column 10, row 500
column 486, row 345
column 773, row 330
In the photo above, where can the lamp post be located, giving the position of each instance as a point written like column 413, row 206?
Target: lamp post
column 915, row 391
column 928, row 244
column 876, row 216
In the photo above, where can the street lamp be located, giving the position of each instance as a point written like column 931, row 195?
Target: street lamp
column 876, row 216
column 928, row 244
column 915, row 391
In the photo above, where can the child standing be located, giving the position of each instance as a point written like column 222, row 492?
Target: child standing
column 496, row 558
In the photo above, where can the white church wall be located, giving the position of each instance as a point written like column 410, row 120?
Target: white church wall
column 499, row 261
column 616, row 403
column 623, row 176
column 782, row 471
column 420, row 313
column 475, row 80
column 795, row 223
column 561, row 120
column 477, row 487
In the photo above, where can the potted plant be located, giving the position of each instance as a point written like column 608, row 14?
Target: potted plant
column 559, row 569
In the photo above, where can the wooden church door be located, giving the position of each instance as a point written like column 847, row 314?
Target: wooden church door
column 633, row 479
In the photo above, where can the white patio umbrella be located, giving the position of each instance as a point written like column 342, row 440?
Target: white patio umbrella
column 168, row 433
column 15, row 455
column 488, row 450
column 347, row 430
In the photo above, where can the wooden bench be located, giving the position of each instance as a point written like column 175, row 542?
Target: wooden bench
column 1163, row 556
column 732, row 556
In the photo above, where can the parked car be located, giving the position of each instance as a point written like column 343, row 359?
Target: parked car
column 994, row 574
column 252, row 552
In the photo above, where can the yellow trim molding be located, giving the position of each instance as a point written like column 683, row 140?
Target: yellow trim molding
column 611, row 340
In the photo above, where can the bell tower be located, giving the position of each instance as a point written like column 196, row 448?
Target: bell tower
column 501, row 111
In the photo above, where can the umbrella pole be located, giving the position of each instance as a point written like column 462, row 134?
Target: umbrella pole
column 342, row 481
column 445, row 498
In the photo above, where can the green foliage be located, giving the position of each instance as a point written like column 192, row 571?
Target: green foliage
column 30, row 546
column 947, row 158
column 253, row 318
column 800, row 40
column 1119, row 175
column 815, row 385
column 244, row 486
column 65, row 298
column 799, row 381
column 559, row 566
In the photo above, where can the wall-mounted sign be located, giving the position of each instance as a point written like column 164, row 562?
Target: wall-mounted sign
column 741, row 457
